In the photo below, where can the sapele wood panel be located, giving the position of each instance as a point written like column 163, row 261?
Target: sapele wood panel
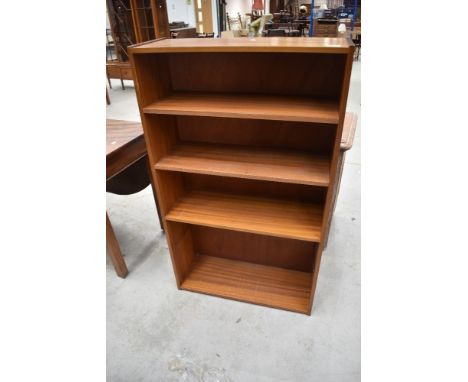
column 259, row 284
column 245, row 162
column 316, row 138
column 314, row 76
column 258, row 45
column 274, row 251
column 275, row 217
column 249, row 187
column 277, row 108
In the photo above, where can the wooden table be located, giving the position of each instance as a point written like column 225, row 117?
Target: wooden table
column 127, row 172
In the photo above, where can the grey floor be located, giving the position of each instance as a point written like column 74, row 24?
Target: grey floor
column 158, row 333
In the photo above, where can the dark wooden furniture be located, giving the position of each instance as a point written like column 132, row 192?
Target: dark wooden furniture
column 325, row 28
column 355, row 35
column 245, row 168
column 126, row 173
column 185, row 32
column 289, row 29
column 132, row 22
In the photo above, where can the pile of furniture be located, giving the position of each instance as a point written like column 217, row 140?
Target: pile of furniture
column 132, row 22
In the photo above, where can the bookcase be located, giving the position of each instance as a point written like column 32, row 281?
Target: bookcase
column 132, row 21
column 243, row 136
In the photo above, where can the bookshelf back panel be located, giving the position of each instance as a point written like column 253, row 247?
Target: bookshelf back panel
column 301, row 74
column 259, row 249
column 190, row 240
column 312, row 137
column 259, row 188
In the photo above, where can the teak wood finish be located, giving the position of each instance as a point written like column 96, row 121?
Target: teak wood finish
column 243, row 137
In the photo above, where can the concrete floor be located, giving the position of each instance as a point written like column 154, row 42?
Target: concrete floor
column 158, row 333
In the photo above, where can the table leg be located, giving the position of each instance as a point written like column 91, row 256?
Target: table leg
column 113, row 250
column 108, row 79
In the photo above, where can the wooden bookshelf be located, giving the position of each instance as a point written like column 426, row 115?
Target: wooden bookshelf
column 243, row 138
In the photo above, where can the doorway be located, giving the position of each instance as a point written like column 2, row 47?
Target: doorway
column 203, row 16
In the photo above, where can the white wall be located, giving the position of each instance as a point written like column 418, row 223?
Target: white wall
column 241, row 6
column 184, row 10
column 181, row 10
column 214, row 13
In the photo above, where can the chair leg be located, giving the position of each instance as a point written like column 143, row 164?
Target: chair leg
column 110, row 84
column 121, row 81
column 113, row 250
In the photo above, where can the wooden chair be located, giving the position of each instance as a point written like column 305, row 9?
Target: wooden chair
column 357, row 44
column 234, row 23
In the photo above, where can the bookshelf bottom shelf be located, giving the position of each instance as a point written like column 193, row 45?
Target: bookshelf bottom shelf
column 248, row 282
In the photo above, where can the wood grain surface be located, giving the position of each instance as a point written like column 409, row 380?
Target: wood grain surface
column 247, row 162
column 259, row 284
column 275, row 217
column 120, row 133
column 240, row 44
column 349, row 128
column 300, row 109
column 125, row 145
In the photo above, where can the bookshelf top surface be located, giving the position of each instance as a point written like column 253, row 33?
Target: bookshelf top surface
column 243, row 44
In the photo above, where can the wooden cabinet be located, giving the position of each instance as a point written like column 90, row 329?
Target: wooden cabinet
column 325, row 28
column 244, row 139
column 132, row 22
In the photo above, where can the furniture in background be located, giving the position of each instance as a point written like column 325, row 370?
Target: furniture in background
column 325, row 27
column 356, row 37
column 177, row 24
column 234, row 23
column 245, row 168
column 205, row 35
column 180, row 29
column 274, row 32
column 185, row 32
column 127, row 172
column 283, row 29
column 132, row 22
